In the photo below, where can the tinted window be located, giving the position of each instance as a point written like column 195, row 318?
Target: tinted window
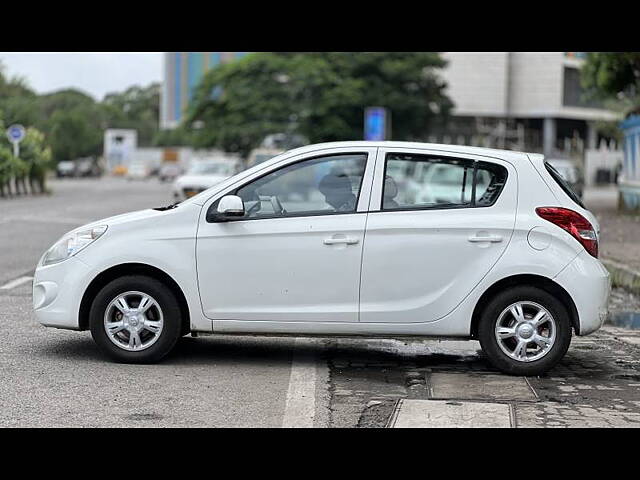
column 563, row 184
column 490, row 179
column 321, row 186
column 418, row 181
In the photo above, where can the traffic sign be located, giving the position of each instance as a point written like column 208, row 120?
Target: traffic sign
column 376, row 123
column 15, row 133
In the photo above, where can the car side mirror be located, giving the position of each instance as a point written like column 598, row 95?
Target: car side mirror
column 230, row 206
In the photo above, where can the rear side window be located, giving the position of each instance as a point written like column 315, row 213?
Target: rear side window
column 564, row 185
column 429, row 182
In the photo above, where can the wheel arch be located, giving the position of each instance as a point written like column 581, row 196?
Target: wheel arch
column 539, row 281
column 116, row 271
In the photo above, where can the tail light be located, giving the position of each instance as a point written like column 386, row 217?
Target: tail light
column 575, row 224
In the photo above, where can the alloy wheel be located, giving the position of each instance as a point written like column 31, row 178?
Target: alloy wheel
column 525, row 331
column 133, row 321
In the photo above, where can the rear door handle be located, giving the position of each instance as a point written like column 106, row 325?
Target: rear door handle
column 339, row 240
column 488, row 238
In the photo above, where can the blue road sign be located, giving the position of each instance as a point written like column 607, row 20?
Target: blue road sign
column 15, row 133
column 375, row 123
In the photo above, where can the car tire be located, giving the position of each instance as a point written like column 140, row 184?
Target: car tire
column 157, row 329
column 501, row 334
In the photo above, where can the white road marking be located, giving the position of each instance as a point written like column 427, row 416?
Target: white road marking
column 300, row 406
column 15, row 283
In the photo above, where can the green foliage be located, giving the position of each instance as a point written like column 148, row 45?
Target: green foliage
column 174, row 137
column 137, row 108
column 613, row 75
column 5, row 158
column 73, row 122
column 34, row 152
column 319, row 95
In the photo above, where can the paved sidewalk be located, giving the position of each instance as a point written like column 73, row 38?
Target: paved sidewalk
column 430, row 383
column 619, row 232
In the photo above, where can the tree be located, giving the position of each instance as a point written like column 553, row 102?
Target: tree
column 321, row 96
column 12, row 169
column 613, row 75
column 73, row 122
column 17, row 100
column 37, row 158
column 137, row 108
column 5, row 165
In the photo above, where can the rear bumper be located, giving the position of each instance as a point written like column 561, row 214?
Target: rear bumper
column 588, row 283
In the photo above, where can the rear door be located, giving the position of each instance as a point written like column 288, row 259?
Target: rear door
column 438, row 223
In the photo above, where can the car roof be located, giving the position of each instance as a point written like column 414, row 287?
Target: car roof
column 488, row 152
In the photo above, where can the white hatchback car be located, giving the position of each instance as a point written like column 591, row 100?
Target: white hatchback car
column 325, row 240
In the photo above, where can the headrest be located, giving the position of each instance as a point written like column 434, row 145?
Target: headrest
column 390, row 188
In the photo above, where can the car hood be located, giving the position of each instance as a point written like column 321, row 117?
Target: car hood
column 199, row 181
column 123, row 218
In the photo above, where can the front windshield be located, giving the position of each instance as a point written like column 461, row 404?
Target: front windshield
column 211, row 169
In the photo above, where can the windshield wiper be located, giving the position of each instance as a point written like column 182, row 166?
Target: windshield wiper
column 168, row 207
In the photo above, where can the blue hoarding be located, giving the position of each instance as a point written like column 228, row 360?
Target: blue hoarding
column 375, row 123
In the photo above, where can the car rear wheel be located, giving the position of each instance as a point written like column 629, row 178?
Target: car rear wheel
column 524, row 331
column 135, row 319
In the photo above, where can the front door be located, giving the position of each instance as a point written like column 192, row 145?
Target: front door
column 431, row 236
column 296, row 253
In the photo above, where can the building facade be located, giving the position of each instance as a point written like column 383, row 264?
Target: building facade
column 520, row 100
column 534, row 97
column 182, row 73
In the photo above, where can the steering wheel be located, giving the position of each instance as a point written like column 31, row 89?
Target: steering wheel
column 277, row 206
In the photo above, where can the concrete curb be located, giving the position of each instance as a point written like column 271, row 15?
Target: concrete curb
column 623, row 276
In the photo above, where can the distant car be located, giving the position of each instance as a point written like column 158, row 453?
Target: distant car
column 570, row 172
column 138, row 171
column 66, row 168
column 201, row 176
column 86, row 167
column 169, row 172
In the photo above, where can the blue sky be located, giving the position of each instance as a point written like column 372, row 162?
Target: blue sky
column 94, row 73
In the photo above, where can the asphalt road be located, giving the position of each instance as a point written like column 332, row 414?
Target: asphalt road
column 53, row 377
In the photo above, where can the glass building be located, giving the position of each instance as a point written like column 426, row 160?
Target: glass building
column 182, row 73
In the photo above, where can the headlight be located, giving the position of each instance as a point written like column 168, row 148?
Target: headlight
column 71, row 244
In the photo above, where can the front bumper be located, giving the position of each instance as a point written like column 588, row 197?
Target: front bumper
column 57, row 293
column 588, row 283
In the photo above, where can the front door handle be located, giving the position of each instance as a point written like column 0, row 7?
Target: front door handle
column 488, row 238
column 338, row 240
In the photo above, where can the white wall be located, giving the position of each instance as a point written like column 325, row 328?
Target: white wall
column 477, row 82
column 519, row 84
column 536, row 83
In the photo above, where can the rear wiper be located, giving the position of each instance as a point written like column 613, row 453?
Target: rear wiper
column 168, row 207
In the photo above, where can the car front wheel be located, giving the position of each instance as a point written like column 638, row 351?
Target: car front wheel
column 524, row 331
column 135, row 319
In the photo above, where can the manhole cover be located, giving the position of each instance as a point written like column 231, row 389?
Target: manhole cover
column 464, row 386
column 443, row 414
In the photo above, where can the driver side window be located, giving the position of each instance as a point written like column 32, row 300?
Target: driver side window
column 320, row 186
